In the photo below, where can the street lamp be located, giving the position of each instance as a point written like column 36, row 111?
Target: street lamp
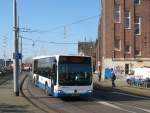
column 16, row 51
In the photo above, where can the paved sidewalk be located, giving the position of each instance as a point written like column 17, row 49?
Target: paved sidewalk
column 121, row 86
column 12, row 104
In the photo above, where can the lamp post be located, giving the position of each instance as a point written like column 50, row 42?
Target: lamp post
column 16, row 50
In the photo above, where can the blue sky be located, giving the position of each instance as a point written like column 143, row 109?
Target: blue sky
column 45, row 15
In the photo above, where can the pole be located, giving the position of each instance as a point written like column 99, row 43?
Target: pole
column 4, row 46
column 19, row 38
column 65, row 40
column 21, row 54
column 16, row 61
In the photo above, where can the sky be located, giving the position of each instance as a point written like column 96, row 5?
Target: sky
column 47, row 19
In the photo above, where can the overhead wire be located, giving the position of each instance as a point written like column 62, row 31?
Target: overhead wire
column 41, row 41
column 59, row 27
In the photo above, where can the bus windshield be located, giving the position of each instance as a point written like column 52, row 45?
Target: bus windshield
column 75, row 73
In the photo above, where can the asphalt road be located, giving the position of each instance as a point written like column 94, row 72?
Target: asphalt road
column 102, row 101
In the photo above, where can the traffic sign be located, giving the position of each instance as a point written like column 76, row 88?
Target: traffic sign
column 17, row 56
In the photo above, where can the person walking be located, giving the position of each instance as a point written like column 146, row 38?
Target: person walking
column 99, row 76
column 113, row 78
column 99, row 71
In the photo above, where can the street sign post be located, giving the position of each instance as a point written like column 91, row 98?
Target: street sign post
column 17, row 56
column 16, row 61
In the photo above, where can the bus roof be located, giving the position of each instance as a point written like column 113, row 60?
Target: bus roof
column 46, row 56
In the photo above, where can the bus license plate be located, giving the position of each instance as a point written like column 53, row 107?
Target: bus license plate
column 76, row 94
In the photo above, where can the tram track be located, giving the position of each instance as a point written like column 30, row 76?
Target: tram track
column 45, row 104
column 27, row 97
column 5, row 79
column 102, row 99
column 37, row 102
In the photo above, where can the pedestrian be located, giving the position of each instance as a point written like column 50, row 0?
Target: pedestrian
column 29, row 69
column 113, row 78
column 99, row 76
column 99, row 72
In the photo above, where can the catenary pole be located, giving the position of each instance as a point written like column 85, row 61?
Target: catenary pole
column 65, row 40
column 16, row 60
column 21, row 53
column 19, row 44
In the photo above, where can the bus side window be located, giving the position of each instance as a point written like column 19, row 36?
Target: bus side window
column 35, row 66
column 54, row 68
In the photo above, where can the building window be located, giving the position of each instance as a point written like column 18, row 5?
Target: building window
column 137, row 2
column 137, row 25
column 137, row 53
column 127, row 48
column 117, row 13
column 126, row 68
column 117, row 44
column 127, row 20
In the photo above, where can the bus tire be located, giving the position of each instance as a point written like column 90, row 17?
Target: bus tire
column 34, row 82
column 46, row 90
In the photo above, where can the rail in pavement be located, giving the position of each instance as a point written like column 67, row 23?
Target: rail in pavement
column 10, row 103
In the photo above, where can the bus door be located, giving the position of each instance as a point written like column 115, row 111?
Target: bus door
column 53, row 78
column 51, row 85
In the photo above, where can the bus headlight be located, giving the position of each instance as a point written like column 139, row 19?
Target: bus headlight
column 60, row 91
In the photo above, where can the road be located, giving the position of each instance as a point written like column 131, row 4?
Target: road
column 102, row 101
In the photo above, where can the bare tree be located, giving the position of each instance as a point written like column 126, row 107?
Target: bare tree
column 28, row 60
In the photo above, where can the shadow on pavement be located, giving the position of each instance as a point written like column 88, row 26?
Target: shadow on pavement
column 76, row 99
column 117, row 94
column 13, row 108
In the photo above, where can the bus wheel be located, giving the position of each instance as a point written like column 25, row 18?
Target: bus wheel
column 34, row 81
column 46, row 90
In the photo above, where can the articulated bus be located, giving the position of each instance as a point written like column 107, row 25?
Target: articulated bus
column 63, row 75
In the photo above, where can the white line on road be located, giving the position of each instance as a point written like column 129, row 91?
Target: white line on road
column 119, row 108
column 131, row 95
column 146, row 110
column 112, row 105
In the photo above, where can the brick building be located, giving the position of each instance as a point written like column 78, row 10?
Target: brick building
column 87, row 49
column 124, row 35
